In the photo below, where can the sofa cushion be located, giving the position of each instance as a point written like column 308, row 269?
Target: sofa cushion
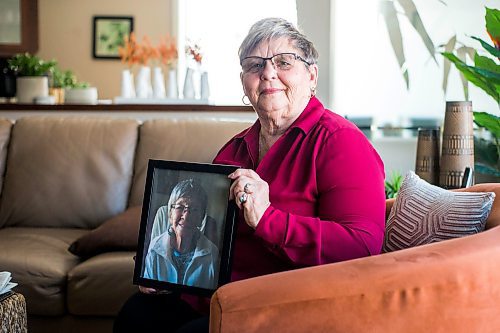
column 190, row 140
column 424, row 213
column 118, row 233
column 39, row 262
column 100, row 285
column 67, row 171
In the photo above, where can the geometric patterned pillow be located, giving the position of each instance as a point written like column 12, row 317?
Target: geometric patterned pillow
column 424, row 213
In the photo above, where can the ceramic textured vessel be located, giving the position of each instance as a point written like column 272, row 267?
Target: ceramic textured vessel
column 458, row 144
column 427, row 161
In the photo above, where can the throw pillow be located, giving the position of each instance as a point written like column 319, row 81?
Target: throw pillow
column 424, row 213
column 118, row 233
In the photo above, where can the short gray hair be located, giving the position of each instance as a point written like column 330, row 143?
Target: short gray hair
column 272, row 28
column 189, row 188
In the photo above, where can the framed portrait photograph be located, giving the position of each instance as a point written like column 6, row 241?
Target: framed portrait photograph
column 108, row 35
column 187, row 227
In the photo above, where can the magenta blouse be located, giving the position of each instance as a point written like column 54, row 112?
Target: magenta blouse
column 326, row 185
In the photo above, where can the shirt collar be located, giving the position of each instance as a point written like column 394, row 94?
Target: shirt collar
column 306, row 120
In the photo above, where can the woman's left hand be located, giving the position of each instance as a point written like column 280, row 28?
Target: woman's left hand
column 251, row 194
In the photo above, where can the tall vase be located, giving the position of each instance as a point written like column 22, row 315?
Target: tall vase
column 127, row 84
column 204, row 87
column 427, row 161
column 143, row 88
column 458, row 144
column 173, row 90
column 188, row 90
column 158, row 83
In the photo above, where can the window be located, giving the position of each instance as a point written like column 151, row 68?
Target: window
column 219, row 27
column 367, row 79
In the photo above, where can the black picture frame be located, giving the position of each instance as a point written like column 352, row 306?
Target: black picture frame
column 155, row 263
column 108, row 33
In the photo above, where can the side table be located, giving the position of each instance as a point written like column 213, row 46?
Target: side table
column 13, row 313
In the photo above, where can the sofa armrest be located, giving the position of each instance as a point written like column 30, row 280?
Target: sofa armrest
column 449, row 286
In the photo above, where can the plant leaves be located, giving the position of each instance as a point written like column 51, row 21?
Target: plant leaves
column 472, row 75
column 492, row 18
column 392, row 22
column 492, row 50
column 414, row 17
column 448, row 47
column 488, row 121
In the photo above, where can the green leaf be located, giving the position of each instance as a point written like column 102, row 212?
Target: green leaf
column 492, row 50
column 412, row 13
column 471, row 74
column 491, row 77
column 486, row 63
column 492, row 18
column 488, row 121
column 392, row 22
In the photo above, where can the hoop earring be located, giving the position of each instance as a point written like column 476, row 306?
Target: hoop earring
column 243, row 100
column 313, row 91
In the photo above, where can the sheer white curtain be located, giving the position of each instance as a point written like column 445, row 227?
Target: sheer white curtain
column 219, row 27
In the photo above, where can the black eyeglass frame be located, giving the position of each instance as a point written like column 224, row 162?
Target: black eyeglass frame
column 296, row 56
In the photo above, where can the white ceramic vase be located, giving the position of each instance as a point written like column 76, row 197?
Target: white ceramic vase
column 143, row 88
column 127, row 86
column 158, row 83
column 173, row 90
column 31, row 87
column 204, row 86
column 188, row 91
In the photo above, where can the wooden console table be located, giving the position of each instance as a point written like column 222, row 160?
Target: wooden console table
column 137, row 111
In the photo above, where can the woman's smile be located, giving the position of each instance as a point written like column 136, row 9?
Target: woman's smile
column 270, row 91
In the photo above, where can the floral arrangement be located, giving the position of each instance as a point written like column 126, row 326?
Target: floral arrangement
column 193, row 51
column 134, row 52
column 167, row 51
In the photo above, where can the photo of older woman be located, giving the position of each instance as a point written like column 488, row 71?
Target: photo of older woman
column 183, row 254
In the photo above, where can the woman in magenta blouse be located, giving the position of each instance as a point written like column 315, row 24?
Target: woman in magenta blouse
column 311, row 186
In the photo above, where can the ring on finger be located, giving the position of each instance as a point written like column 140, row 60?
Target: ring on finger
column 243, row 198
column 246, row 187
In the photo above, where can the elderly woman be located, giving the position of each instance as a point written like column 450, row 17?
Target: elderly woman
column 183, row 254
column 311, row 186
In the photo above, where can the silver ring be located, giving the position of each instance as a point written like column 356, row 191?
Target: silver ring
column 243, row 198
column 245, row 188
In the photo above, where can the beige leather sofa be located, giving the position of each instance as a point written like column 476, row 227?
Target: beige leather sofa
column 66, row 175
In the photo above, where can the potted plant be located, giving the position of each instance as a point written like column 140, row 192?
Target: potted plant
column 485, row 74
column 80, row 93
column 32, row 76
column 60, row 81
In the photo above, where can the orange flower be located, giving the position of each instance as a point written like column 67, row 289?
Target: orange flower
column 167, row 50
column 194, row 51
column 128, row 53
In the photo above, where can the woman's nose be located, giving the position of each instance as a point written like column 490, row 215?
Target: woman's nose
column 269, row 70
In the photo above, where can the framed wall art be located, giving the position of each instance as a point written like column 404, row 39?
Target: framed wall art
column 108, row 35
column 187, row 227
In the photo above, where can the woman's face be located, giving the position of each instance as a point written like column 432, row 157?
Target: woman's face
column 185, row 215
column 279, row 95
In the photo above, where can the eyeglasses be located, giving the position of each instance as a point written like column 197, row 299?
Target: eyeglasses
column 184, row 208
column 280, row 61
